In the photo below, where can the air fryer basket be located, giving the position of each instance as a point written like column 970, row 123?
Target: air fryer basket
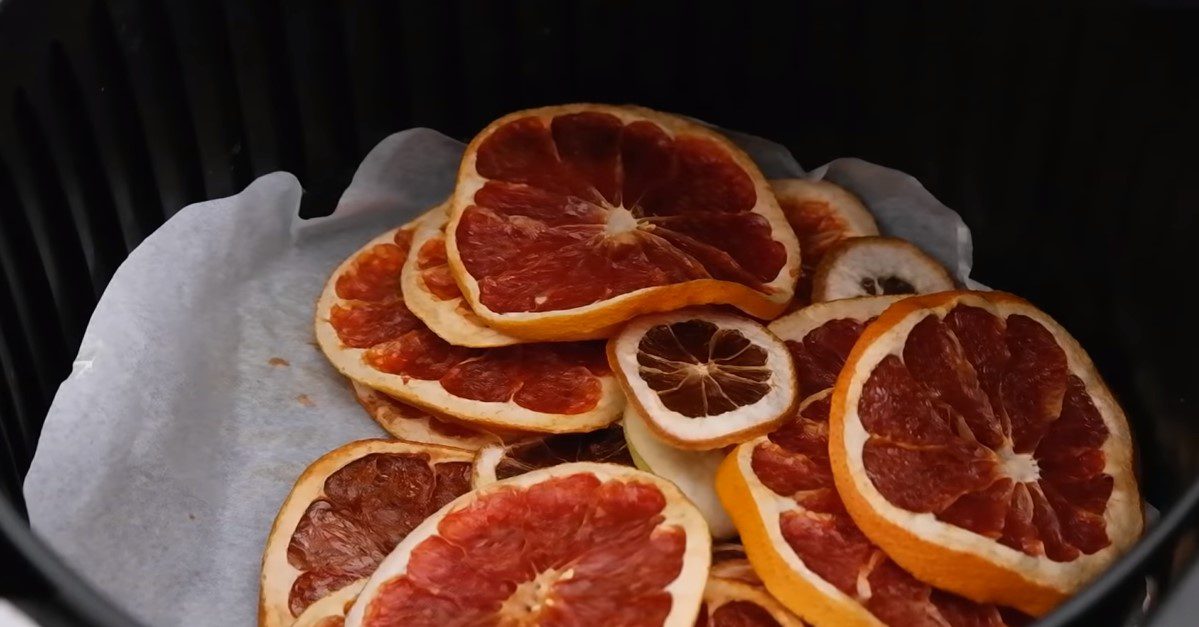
column 1066, row 141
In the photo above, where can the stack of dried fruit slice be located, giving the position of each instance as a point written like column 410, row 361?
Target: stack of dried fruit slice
column 885, row 459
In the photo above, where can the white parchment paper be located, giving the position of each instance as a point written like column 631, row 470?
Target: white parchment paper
column 199, row 394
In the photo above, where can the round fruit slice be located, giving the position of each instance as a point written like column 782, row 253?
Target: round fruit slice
column 873, row 266
column 703, row 379
column 576, row 544
column 367, row 331
column 431, row 293
column 973, row 440
column 808, row 550
column 821, row 335
column 496, row 462
column 733, row 603
column 822, row 215
column 569, row 220
column 345, row 513
column 693, row 471
column 413, row 424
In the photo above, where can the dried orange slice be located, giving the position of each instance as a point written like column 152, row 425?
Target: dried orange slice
column 821, row 335
column 413, row 424
column 431, row 293
column 972, row 439
column 569, row 220
column 367, row 331
column 692, row 471
column 822, row 214
column 503, row 461
column 874, row 266
column 702, row 379
column 344, row 514
column 807, row 549
column 576, row 544
column 733, row 603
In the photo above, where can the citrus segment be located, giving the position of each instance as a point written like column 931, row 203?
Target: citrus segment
column 568, row 220
column 345, row 513
column 702, row 379
column 806, row 547
column 822, row 214
column 875, row 266
column 433, row 296
column 821, row 335
column 413, row 424
column 381, row 344
column 692, row 471
column 734, row 603
column 502, row 461
column 972, row 434
column 587, row 544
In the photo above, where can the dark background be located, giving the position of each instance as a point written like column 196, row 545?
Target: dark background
column 1064, row 133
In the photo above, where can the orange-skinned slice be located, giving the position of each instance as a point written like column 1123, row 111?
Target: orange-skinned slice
column 822, row 214
column 877, row 266
column 431, row 293
column 1020, row 457
column 365, row 328
column 346, row 510
column 807, row 549
column 413, row 424
column 703, row 379
column 568, row 220
column 583, row 543
column 734, row 603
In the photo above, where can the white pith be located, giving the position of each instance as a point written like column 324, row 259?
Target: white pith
column 698, row 430
column 1123, row 515
column 686, row 590
column 694, row 472
column 876, row 258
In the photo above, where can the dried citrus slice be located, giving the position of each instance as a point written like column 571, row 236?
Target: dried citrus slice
column 703, row 379
column 973, row 440
column 413, row 424
column 808, row 550
column 693, row 471
column 822, row 214
column 431, row 293
column 367, row 331
column 502, row 461
column 733, row 603
column 821, row 335
column 344, row 514
column 873, row 266
column 568, row 220
column 576, row 544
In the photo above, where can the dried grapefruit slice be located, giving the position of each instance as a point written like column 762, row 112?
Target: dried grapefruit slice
column 729, row 562
column 568, row 220
column 822, row 214
column 808, row 550
column 873, row 266
column 692, row 471
column 431, row 293
column 576, row 544
column 413, row 424
column 502, row 461
column 703, row 379
column 733, row 603
column 367, row 331
column 344, row 514
column 972, row 438
column 821, row 335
